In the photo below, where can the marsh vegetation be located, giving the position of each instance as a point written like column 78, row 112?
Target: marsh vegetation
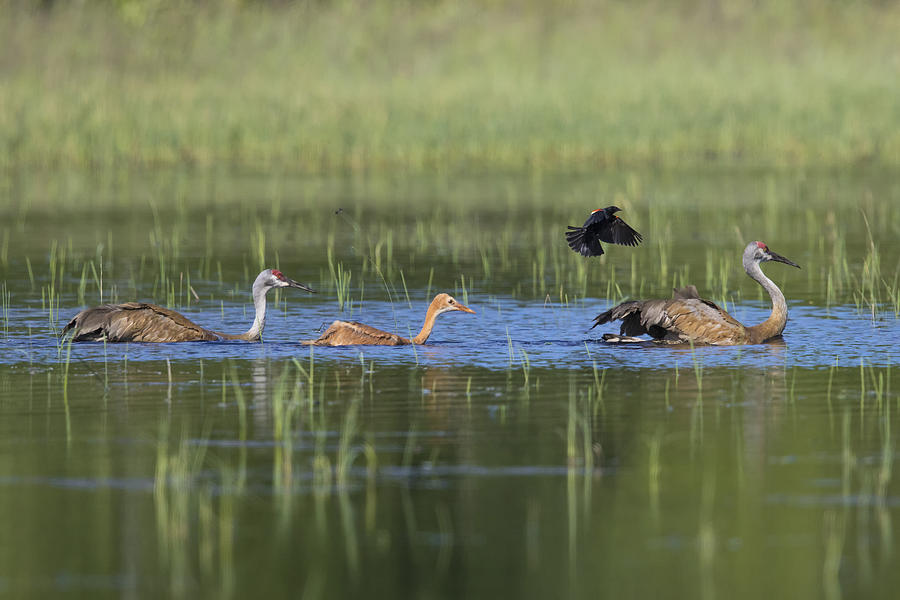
column 230, row 467
column 388, row 86
column 513, row 455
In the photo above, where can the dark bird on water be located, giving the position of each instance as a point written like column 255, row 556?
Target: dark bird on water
column 687, row 318
column 602, row 226
column 143, row 322
column 350, row 333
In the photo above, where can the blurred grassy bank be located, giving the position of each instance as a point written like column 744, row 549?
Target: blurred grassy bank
column 379, row 85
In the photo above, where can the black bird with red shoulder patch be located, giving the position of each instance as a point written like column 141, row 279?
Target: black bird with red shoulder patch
column 602, row 226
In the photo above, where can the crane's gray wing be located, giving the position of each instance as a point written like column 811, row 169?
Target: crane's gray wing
column 630, row 315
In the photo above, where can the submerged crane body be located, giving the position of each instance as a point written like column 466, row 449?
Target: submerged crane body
column 144, row 322
column 351, row 333
column 687, row 318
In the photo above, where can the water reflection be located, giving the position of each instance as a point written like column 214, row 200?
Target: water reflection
column 445, row 466
column 515, row 455
column 259, row 383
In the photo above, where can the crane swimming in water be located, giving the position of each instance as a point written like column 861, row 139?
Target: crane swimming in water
column 602, row 226
column 687, row 318
column 143, row 322
column 350, row 333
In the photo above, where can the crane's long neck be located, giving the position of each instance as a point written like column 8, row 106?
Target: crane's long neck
column 774, row 325
column 259, row 304
column 430, row 318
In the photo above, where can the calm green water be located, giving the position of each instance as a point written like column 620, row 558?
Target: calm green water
column 515, row 456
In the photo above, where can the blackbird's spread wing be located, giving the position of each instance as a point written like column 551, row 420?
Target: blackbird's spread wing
column 582, row 241
column 601, row 227
column 617, row 231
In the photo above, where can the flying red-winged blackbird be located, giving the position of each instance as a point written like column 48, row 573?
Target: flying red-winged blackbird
column 602, row 226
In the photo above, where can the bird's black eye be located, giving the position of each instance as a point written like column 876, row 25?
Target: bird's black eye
column 451, row 301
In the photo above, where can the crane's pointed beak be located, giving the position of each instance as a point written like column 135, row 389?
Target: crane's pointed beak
column 298, row 285
column 463, row 308
column 781, row 259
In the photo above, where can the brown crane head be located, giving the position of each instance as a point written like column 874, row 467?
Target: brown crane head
column 445, row 303
column 274, row 278
column 759, row 252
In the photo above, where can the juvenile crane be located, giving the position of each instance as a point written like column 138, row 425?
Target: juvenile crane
column 602, row 226
column 350, row 333
column 143, row 322
column 687, row 318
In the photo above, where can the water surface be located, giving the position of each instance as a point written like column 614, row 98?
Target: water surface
column 514, row 455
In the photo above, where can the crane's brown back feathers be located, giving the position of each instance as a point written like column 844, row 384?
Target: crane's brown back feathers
column 144, row 322
column 136, row 322
column 352, row 333
column 684, row 318
column 689, row 318
column 349, row 333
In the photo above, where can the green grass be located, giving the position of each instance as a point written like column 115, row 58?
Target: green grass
column 419, row 238
column 448, row 86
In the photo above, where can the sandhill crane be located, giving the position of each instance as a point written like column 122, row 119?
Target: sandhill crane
column 349, row 333
column 143, row 322
column 689, row 318
column 602, row 226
